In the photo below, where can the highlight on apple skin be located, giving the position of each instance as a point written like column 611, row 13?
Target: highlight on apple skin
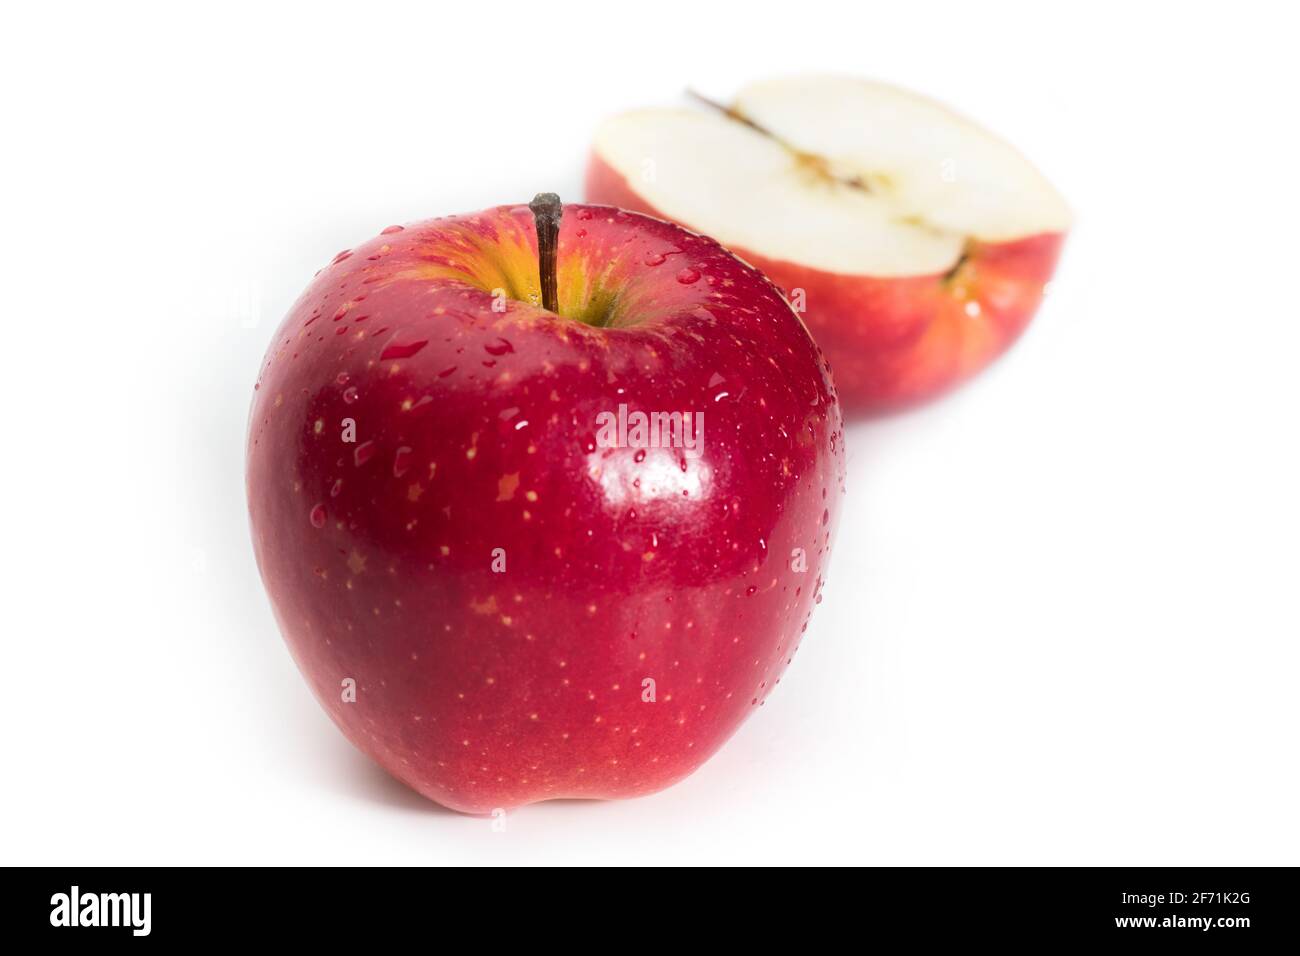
column 496, row 580
column 915, row 244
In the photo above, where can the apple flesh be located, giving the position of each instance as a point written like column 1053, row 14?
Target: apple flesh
column 916, row 244
column 492, row 601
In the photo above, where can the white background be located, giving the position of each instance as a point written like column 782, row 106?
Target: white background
column 1061, row 625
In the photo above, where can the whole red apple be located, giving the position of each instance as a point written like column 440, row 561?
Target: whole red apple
column 530, row 541
column 915, row 244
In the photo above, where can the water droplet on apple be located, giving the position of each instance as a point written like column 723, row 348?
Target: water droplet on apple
column 401, row 461
column 501, row 347
column 338, row 486
column 688, row 276
column 340, row 257
column 639, row 456
column 391, row 229
column 350, row 395
column 584, row 214
column 365, row 451
column 318, row 516
column 655, row 259
column 400, row 350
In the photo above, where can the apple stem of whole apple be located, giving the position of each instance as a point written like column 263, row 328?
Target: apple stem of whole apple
column 547, row 211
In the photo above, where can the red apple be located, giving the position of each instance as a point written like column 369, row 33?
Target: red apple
column 463, row 523
column 916, row 244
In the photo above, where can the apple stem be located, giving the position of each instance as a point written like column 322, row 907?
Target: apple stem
column 732, row 113
column 547, row 211
column 809, row 160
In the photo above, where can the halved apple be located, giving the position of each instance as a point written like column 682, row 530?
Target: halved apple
column 916, row 244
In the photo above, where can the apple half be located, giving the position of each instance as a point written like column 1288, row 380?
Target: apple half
column 915, row 244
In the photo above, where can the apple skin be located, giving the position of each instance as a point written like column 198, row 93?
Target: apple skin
column 895, row 342
column 476, row 430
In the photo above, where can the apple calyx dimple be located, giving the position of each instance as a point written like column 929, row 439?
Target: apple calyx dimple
column 547, row 212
